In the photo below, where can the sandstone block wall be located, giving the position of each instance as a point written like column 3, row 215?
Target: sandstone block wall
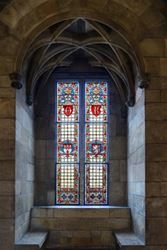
column 81, row 227
column 156, row 141
column 24, row 160
column 7, row 163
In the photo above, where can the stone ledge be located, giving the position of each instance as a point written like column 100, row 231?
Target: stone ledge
column 78, row 248
column 128, row 239
column 35, row 239
column 89, row 219
column 80, row 211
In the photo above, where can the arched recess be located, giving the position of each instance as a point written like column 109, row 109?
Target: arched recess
column 106, row 45
column 112, row 48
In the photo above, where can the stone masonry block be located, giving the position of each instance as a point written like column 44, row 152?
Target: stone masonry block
column 8, row 203
column 6, row 234
column 7, row 171
column 7, row 93
column 119, row 152
column 156, row 171
column 156, row 189
column 156, row 152
column 84, row 225
column 156, row 207
column 155, row 131
column 40, row 149
column 152, row 18
column 7, row 149
column 79, row 238
column 163, row 66
column 153, row 96
column 6, row 64
column 7, row 108
column 152, row 66
column 156, row 231
column 6, row 188
column 156, row 111
column 164, row 95
column 153, row 47
column 7, row 129
column 136, row 139
column 5, row 82
column 50, row 149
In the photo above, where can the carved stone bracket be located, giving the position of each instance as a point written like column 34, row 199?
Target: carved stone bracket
column 16, row 80
column 143, row 82
column 29, row 100
column 131, row 101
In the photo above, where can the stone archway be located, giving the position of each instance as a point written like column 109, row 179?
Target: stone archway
column 20, row 23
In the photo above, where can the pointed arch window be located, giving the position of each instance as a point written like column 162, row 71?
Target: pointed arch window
column 75, row 173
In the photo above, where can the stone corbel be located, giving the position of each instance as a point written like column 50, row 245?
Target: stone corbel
column 16, row 80
column 131, row 101
column 143, row 82
column 29, row 100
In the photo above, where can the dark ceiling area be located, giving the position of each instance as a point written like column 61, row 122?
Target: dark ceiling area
column 3, row 3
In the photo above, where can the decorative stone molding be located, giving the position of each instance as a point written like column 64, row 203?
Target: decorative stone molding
column 16, row 80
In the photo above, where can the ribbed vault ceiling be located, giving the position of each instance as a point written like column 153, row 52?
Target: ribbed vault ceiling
column 65, row 42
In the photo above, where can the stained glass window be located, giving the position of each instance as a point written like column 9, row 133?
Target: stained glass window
column 96, row 143
column 96, row 184
column 67, row 174
column 93, row 133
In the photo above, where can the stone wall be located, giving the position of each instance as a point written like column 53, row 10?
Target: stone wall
column 45, row 125
column 45, row 146
column 81, row 227
column 7, row 163
column 156, row 141
column 136, row 164
column 24, row 175
column 20, row 22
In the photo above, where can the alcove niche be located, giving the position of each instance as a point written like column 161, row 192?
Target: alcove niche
column 84, row 50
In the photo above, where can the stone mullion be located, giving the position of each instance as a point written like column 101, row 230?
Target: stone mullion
column 82, row 140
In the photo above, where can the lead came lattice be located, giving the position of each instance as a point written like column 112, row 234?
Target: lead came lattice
column 67, row 171
column 96, row 143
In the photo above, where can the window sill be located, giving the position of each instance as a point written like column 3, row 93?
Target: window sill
column 81, row 207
